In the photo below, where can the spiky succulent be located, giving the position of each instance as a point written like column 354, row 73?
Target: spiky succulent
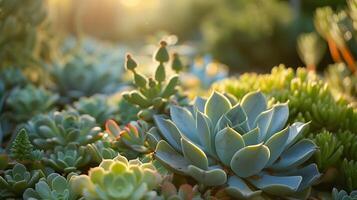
column 130, row 141
column 62, row 128
column 93, row 79
column 17, row 180
column 153, row 95
column 96, row 106
column 68, row 159
column 349, row 173
column 118, row 179
column 343, row 195
column 53, row 187
column 25, row 103
column 22, row 148
column 246, row 146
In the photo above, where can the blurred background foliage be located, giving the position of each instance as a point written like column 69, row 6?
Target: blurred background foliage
column 245, row 35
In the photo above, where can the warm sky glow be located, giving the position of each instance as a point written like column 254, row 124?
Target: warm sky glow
column 131, row 3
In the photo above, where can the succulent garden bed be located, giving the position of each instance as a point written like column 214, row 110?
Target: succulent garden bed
column 84, row 129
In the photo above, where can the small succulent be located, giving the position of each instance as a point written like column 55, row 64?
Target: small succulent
column 127, row 111
column 311, row 49
column 22, row 148
column 63, row 128
column 53, row 187
column 343, row 195
column 96, row 106
column 185, row 192
column 130, row 141
column 94, row 79
column 23, row 104
column 245, row 146
column 153, row 94
column 349, row 173
column 12, row 78
column 102, row 149
column 118, row 179
column 17, row 180
column 68, row 159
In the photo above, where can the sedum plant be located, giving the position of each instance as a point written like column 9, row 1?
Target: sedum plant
column 118, row 179
column 246, row 146
column 68, row 159
column 53, row 187
column 96, row 106
column 153, row 95
column 349, row 174
column 63, row 128
column 311, row 49
column 25, row 103
column 17, row 180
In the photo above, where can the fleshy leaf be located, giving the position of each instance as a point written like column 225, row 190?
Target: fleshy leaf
column 171, row 158
column 240, row 190
column 184, row 121
column 211, row 177
column 253, row 104
column 276, row 145
column 169, row 131
column 252, row 137
column 227, row 143
column 194, row 154
column 216, row 105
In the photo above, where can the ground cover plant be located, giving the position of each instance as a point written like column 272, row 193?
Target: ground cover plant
column 98, row 127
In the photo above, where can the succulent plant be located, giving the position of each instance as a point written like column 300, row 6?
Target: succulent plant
column 349, row 173
column 12, row 77
column 343, row 195
column 245, row 146
column 130, row 141
column 25, row 103
column 17, row 180
column 20, row 30
column 347, row 139
column 118, row 179
column 185, row 192
column 96, row 106
column 127, row 111
column 22, row 148
column 102, row 149
column 94, row 79
column 53, row 187
column 153, row 95
column 68, row 159
column 62, row 128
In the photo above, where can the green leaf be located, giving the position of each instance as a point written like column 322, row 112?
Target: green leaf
column 216, row 105
column 185, row 122
column 277, row 185
column 240, row 190
column 253, row 104
column 211, row 177
column 169, row 131
column 204, row 132
column 276, row 145
column 171, row 158
column 250, row 160
column 252, row 137
column 228, row 142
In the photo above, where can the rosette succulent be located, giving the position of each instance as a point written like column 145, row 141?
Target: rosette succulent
column 62, row 128
column 118, row 179
column 53, row 187
column 245, row 145
column 343, row 195
column 28, row 102
column 17, row 180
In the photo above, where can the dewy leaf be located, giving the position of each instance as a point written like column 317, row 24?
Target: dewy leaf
column 250, row 160
column 228, row 142
column 216, row 105
column 194, row 154
column 253, row 104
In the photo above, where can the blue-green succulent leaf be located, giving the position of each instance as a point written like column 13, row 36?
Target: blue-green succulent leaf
column 253, row 104
column 169, row 131
column 277, row 185
column 276, row 145
column 239, row 189
column 227, row 143
column 252, row 137
column 295, row 155
column 238, row 118
column 210, row 177
column 203, row 129
column 200, row 103
column 217, row 105
column 184, row 121
column 310, row 174
column 295, row 130
column 193, row 154
column 171, row 158
column 250, row 160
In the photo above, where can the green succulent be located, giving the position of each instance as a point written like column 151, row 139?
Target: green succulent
column 311, row 49
column 102, row 149
column 118, row 179
column 349, row 173
column 53, row 187
column 245, row 146
column 94, row 79
column 152, row 95
column 62, row 128
column 330, row 150
column 68, row 159
column 17, row 180
column 20, row 26
column 12, row 77
column 185, row 192
column 347, row 140
column 96, row 106
column 25, row 103
column 22, row 148
column 130, row 141
column 127, row 111
column 343, row 195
